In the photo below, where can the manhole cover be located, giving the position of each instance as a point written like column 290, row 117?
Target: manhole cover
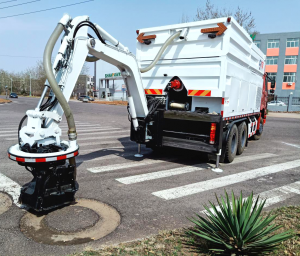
column 71, row 219
column 5, row 203
column 85, row 221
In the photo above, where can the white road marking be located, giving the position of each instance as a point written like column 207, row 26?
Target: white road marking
column 80, row 132
column 106, row 148
column 132, row 164
column 202, row 186
column 115, row 141
column 96, row 133
column 107, row 157
column 10, row 187
column 274, row 196
column 181, row 170
column 80, row 135
column 293, row 145
column 160, row 174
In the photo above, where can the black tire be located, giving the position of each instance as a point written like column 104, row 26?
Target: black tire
column 260, row 131
column 242, row 135
column 231, row 145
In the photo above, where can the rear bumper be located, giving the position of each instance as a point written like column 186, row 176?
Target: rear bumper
column 184, row 130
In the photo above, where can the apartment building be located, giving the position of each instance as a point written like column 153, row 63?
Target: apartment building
column 282, row 50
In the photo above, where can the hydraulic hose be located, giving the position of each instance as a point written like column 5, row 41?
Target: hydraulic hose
column 53, row 84
column 161, row 51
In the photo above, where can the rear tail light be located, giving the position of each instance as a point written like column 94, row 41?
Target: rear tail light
column 137, row 31
column 212, row 136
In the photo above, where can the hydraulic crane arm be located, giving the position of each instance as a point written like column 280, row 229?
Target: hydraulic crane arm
column 40, row 148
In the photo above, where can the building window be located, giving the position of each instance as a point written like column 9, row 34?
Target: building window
column 291, row 60
column 272, row 75
column 292, row 42
column 272, row 61
column 273, row 43
column 289, row 77
column 257, row 43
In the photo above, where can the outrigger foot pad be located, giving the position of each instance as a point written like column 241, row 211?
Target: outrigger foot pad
column 52, row 186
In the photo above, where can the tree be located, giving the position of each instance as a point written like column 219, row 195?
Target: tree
column 244, row 18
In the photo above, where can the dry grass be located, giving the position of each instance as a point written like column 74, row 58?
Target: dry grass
column 4, row 101
column 174, row 242
column 117, row 102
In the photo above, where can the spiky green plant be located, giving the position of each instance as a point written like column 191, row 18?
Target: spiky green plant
column 237, row 228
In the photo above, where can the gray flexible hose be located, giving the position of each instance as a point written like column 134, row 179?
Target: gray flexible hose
column 161, row 51
column 53, row 84
column 91, row 58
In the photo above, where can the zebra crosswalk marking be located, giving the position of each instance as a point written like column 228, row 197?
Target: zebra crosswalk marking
column 203, row 186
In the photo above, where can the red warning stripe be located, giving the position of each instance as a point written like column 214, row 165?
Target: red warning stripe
column 42, row 159
column 154, row 91
column 199, row 93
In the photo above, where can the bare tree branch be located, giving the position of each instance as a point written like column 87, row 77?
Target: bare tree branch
column 244, row 18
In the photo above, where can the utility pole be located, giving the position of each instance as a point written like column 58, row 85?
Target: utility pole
column 30, row 84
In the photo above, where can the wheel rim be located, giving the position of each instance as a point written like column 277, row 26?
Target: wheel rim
column 233, row 144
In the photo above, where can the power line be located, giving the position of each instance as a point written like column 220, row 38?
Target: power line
column 7, row 1
column 19, row 4
column 45, row 9
column 15, row 56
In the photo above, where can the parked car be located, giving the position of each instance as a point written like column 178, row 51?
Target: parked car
column 85, row 97
column 13, row 95
column 276, row 103
column 81, row 97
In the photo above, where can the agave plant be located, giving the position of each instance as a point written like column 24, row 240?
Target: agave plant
column 237, row 228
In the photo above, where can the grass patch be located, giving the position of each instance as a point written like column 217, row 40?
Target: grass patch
column 4, row 101
column 174, row 242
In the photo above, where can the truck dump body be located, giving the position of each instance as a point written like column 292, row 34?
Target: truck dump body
column 222, row 74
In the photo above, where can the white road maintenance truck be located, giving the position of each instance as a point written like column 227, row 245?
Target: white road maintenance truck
column 198, row 86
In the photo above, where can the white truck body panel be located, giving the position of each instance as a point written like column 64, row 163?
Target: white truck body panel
column 230, row 65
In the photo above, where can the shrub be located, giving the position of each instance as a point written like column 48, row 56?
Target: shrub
column 237, row 228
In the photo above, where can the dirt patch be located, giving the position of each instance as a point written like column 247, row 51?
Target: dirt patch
column 5, row 203
column 36, row 227
column 117, row 102
column 2, row 101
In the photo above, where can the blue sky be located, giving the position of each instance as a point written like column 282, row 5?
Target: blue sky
column 27, row 35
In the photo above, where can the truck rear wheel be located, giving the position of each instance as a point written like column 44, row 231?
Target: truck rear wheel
column 231, row 145
column 260, row 131
column 242, row 135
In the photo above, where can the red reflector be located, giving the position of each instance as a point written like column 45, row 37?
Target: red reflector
column 137, row 31
column 40, row 160
column 212, row 137
column 20, row 159
column 228, row 19
column 61, row 157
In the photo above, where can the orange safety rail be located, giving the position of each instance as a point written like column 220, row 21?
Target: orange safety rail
column 199, row 93
column 154, row 91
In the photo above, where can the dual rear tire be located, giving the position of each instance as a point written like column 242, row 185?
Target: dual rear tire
column 236, row 141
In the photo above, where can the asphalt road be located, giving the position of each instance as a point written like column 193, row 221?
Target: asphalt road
column 154, row 193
